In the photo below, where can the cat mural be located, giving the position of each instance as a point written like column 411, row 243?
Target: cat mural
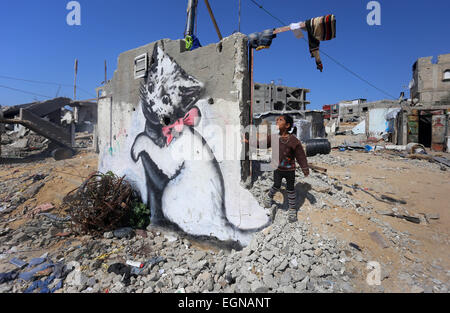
column 182, row 192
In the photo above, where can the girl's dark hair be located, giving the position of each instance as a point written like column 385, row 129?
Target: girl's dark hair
column 292, row 129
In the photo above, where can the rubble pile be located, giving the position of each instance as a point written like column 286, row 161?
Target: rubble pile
column 283, row 258
column 83, row 140
column 22, row 143
column 45, row 255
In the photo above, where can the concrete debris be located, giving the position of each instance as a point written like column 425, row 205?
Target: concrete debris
column 378, row 239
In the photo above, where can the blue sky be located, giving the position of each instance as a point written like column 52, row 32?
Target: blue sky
column 37, row 44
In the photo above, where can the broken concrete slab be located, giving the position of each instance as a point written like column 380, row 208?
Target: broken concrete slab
column 46, row 128
column 375, row 236
column 40, row 109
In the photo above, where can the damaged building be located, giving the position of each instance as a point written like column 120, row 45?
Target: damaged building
column 53, row 126
column 428, row 122
column 423, row 119
column 271, row 101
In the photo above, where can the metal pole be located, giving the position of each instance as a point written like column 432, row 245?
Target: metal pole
column 251, row 85
column 1, row 130
column 105, row 72
column 239, row 26
column 213, row 20
column 75, row 81
column 251, row 102
column 192, row 7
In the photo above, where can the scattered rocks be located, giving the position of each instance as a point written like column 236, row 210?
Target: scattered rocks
column 123, row 232
column 199, row 255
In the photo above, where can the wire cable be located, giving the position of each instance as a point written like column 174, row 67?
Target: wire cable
column 262, row 8
column 43, row 82
column 24, row 91
column 329, row 56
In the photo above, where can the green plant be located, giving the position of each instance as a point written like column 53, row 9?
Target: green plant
column 140, row 215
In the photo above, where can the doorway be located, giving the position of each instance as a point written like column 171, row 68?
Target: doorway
column 425, row 127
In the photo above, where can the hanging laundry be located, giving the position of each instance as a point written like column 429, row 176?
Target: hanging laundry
column 261, row 40
column 320, row 29
column 296, row 29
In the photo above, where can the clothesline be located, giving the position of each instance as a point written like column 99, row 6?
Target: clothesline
column 288, row 28
column 319, row 29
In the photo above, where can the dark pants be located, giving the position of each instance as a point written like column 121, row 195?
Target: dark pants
column 290, row 185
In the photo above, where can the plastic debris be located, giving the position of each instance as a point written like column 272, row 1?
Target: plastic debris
column 18, row 262
column 135, row 264
column 30, row 275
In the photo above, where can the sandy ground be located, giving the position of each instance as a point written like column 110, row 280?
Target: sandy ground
column 425, row 188
column 64, row 176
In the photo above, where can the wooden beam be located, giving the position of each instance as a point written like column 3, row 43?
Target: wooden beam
column 288, row 28
column 213, row 19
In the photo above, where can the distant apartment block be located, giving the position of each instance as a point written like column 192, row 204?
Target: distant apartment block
column 430, row 85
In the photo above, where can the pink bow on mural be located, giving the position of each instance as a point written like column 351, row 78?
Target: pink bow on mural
column 189, row 119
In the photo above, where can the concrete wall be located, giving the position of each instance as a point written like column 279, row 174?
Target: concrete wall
column 192, row 182
column 429, row 87
column 357, row 111
column 377, row 121
column 270, row 97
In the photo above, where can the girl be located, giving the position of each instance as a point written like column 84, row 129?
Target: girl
column 289, row 149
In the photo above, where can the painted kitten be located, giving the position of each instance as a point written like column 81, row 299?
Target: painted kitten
column 182, row 191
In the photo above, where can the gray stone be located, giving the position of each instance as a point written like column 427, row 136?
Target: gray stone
column 220, row 267
column 283, row 265
column 205, row 276
column 298, row 275
column 123, row 232
column 78, row 254
column 244, row 287
column 91, row 282
column 287, row 289
column 346, row 287
column 199, row 255
column 307, row 246
column 209, row 285
column 270, row 281
column 293, row 263
column 19, row 237
column 253, row 245
column 268, row 255
column 77, row 278
column 180, row 271
column 202, row 264
column 305, row 261
column 153, row 276
column 257, row 286
column 249, row 276
column 5, row 288
column 285, row 279
column 262, row 289
column 108, row 235
column 319, row 271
